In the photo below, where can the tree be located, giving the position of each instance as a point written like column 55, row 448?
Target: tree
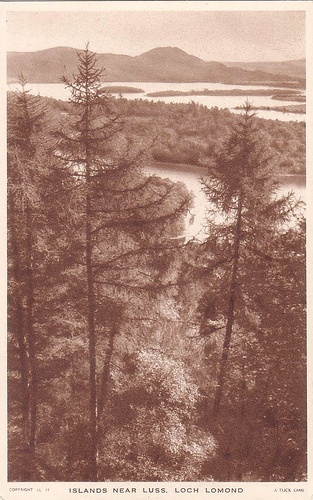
column 25, row 114
column 248, row 224
column 82, row 148
column 154, row 418
column 124, row 214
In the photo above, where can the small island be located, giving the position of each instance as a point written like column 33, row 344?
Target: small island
column 120, row 89
column 275, row 94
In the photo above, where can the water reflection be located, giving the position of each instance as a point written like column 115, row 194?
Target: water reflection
column 191, row 175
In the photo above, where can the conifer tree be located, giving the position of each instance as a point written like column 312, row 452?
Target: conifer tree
column 245, row 216
column 124, row 213
column 25, row 113
column 248, row 221
column 81, row 148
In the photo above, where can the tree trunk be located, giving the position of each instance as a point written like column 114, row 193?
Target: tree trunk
column 30, row 335
column 20, row 328
column 93, row 462
column 230, row 314
column 92, row 342
column 105, row 375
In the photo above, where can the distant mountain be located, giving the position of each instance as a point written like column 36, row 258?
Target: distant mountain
column 295, row 68
column 163, row 64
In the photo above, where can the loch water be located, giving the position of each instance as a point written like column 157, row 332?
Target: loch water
column 58, row 91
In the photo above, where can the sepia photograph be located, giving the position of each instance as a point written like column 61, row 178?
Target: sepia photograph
column 156, row 199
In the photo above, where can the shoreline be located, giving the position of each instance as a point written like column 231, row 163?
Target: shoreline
column 196, row 169
column 299, row 109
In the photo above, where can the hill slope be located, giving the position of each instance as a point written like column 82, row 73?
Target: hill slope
column 294, row 68
column 163, row 64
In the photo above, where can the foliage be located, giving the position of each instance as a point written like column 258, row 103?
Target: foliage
column 251, row 228
column 153, row 411
column 160, row 305
column 192, row 133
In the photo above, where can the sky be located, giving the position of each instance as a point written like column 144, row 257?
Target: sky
column 210, row 35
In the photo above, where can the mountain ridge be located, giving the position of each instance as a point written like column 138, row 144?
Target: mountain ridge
column 161, row 64
column 292, row 67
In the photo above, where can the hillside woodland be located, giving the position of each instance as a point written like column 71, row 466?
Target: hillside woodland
column 134, row 354
column 192, row 133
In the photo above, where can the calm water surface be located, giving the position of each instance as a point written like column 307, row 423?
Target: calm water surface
column 191, row 177
column 58, row 91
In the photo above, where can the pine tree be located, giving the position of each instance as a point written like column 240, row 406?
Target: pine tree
column 81, row 148
column 25, row 114
column 244, row 256
column 124, row 214
column 246, row 217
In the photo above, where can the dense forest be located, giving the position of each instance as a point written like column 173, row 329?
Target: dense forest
column 192, row 133
column 135, row 354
